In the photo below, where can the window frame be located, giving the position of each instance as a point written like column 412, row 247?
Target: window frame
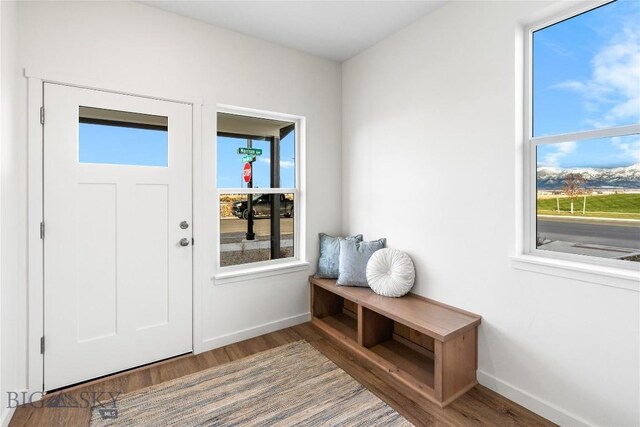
column 235, row 273
column 531, row 256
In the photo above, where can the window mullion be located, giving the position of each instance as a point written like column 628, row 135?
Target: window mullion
column 591, row 134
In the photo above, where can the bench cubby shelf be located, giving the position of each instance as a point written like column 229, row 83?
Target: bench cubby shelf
column 429, row 347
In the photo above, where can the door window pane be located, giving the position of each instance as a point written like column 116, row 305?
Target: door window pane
column 122, row 138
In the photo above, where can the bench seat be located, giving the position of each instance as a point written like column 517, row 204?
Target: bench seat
column 427, row 346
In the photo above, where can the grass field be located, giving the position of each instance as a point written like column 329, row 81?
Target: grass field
column 620, row 206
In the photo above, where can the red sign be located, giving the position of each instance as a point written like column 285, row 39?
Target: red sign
column 246, row 172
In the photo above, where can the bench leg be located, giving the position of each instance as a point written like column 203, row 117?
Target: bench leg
column 455, row 366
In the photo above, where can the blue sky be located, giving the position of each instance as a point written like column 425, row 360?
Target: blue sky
column 122, row 145
column 230, row 163
column 586, row 75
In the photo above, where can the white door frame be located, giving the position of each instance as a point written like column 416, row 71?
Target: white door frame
column 35, row 193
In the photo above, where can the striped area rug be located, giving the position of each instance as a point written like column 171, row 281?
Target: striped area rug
column 289, row 385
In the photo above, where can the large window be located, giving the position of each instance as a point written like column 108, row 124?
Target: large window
column 257, row 189
column 584, row 136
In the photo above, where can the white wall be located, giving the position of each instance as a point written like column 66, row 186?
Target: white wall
column 433, row 104
column 430, row 144
column 12, row 212
column 134, row 48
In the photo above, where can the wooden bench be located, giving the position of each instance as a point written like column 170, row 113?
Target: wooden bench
column 428, row 346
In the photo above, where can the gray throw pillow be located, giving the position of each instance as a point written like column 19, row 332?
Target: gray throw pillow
column 354, row 257
column 330, row 255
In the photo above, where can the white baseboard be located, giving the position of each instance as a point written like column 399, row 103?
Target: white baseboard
column 6, row 417
column 531, row 402
column 245, row 334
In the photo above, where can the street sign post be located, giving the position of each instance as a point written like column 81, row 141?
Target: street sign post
column 246, row 172
column 252, row 151
column 249, row 157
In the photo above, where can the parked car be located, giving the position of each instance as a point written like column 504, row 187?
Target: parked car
column 262, row 206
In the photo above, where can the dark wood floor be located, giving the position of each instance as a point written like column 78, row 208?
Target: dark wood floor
column 480, row 406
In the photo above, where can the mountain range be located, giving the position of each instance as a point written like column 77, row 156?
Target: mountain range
column 549, row 178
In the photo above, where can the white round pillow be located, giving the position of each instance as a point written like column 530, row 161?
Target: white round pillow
column 390, row 272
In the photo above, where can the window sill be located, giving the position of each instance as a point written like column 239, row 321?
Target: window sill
column 601, row 275
column 253, row 273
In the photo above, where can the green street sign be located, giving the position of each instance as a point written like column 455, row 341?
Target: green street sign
column 253, row 151
column 248, row 159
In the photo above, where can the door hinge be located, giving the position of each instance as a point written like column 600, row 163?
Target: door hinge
column 42, row 230
column 193, row 241
column 41, row 345
column 42, row 115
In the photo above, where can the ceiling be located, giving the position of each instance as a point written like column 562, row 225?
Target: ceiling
column 336, row 30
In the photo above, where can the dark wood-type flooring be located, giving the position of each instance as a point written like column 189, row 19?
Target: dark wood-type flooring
column 480, row 406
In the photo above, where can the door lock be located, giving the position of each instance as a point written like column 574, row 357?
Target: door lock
column 184, row 225
column 184, row 242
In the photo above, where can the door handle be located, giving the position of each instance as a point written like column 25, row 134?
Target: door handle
column 184, row 242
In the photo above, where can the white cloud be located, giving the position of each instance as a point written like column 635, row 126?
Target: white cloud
column 612, row 93
column 629, row 147
column 560, row 151
column 558, row 49
column 287, row 164
column 574, row 85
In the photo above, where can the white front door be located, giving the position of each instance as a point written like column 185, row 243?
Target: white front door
column 117, row 232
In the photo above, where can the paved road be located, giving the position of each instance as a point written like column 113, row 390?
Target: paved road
column 624, row 234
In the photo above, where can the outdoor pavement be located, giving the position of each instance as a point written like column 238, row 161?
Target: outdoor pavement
column 261, row 225
column 233, row 234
